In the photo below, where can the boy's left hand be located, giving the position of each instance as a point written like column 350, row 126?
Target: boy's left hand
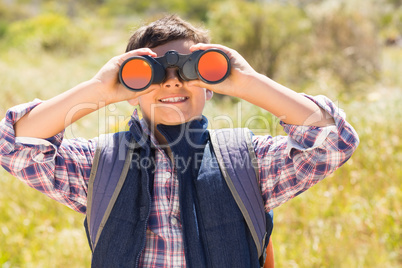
column 244, row 82
column 240, row 75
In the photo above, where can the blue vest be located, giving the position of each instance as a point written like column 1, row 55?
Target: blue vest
column 215, row 233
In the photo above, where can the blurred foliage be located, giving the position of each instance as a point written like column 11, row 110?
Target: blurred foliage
column 346, row 44
column 291, row 41
column 293, row 45
column 194, row 9
column 262, row 33
column 347, row 50
column 48, row 33
column 391, row 22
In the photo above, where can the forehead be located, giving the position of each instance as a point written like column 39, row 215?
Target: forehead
column 182, row 46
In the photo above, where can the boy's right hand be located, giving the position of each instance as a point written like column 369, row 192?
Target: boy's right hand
column 110, row 88
column 54, row 115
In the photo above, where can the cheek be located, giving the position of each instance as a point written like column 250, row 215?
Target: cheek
column 146, row 99
column 202, row 96
column 199, row 92
column 144, row 106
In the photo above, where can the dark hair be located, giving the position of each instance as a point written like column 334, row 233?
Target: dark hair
column 164, row 30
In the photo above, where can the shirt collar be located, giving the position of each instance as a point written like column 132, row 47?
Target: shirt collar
column 199, row 126
column 135, row 119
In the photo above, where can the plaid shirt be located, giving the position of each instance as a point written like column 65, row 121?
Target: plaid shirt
column 288, row 165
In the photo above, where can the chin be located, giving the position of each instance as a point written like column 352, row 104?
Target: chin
column 175, row 120
column 171, row 123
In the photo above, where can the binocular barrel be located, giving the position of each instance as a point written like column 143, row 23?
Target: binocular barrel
column 212, row 66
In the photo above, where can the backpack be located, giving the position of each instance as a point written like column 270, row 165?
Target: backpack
column 238, row 164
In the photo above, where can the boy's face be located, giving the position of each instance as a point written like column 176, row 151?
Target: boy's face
column 173, row 102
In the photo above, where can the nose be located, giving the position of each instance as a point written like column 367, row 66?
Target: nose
column 172, row 79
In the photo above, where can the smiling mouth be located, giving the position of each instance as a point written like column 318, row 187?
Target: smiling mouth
column 173, row 100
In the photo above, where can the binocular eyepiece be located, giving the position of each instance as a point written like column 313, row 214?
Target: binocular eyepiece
column 212, row 66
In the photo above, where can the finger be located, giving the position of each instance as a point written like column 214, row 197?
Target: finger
column 232, row 54
column 136, row 52
column 202, row 46
column 140, row 52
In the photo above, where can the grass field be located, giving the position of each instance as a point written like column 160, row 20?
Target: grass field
column 352, row 219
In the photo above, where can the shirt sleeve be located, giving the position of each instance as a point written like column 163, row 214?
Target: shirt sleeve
column 289, row 165
column 57, row 167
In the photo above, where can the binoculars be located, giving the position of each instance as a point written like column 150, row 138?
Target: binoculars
column 212, row 66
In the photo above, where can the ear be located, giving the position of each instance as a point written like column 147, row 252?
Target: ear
column 208, row 94
column 133, row 102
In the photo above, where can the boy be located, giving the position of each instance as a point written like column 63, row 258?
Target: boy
column 164, row 214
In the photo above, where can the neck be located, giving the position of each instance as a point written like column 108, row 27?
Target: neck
column 160, row 138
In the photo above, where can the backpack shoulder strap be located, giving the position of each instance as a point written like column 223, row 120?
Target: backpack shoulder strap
column 112, row 156
column 237, row 160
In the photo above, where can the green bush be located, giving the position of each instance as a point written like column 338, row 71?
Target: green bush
column 303, row 47
column 49, row 33
column 346, row 46
column 262, row 33
column 193, row 9
column 3, row 28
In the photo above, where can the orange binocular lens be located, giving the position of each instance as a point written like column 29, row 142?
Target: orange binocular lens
column 212, row 66
column 137, row 73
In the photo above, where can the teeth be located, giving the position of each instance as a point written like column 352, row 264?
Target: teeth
column 175, row 99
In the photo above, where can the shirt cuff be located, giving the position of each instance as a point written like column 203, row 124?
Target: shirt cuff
column 306, row 138
column 45, row 152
